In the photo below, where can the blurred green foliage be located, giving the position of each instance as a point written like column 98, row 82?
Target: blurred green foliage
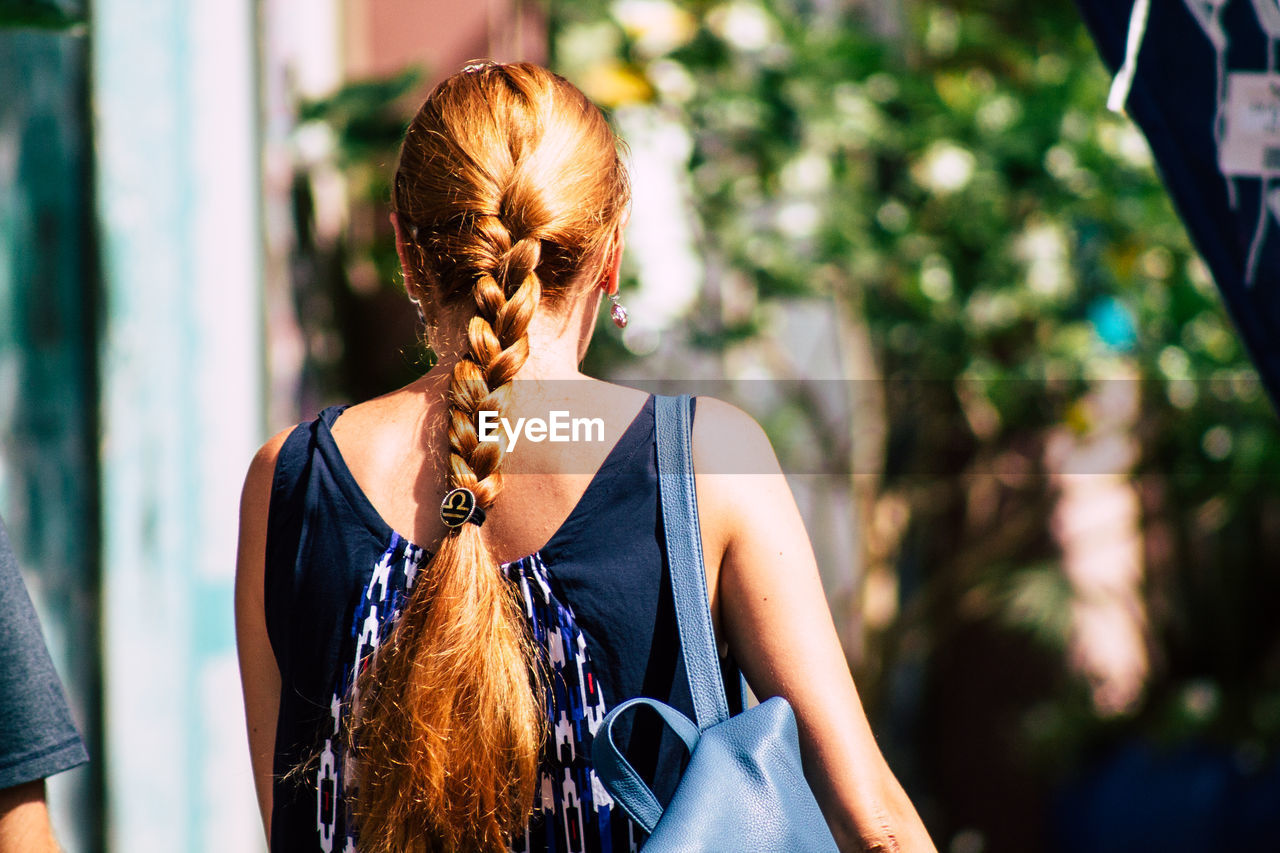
column 367, row 123
column 946, row 172
column 347, row 285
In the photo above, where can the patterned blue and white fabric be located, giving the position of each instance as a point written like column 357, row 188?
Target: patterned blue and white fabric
column 375, row 613
column 572, row 810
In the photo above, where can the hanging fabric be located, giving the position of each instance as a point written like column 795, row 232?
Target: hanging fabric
column 1199, row 77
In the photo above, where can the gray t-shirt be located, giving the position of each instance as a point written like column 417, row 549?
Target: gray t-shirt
column 37, row 736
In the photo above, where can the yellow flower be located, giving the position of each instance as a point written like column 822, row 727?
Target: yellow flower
column 612, row 84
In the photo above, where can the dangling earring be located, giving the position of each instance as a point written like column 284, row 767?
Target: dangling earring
column 619, row 313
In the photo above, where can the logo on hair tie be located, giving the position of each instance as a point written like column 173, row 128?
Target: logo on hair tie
column 459, row 506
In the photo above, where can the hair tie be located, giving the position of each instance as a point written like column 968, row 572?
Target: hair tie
column 459, row 506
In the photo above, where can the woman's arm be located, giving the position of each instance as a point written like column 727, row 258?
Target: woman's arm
column 24, row 820
column 774, row 614
column 259, row 675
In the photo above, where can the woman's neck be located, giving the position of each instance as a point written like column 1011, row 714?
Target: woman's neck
column 557, row 342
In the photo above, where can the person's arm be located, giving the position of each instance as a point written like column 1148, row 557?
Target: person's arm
column 24, row 820
column 774, row 614
column 259, row 675
column 37, row 735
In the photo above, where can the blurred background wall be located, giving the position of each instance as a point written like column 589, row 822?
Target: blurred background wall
column 49, row 299
column 1039, row 470
column 148, row 154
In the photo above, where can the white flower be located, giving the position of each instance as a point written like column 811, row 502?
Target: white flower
column 945, row 167
column 1174, row 363
column 998, row 114
column 936, row 281
column 744, row 25
column 656, row 26
column 1043, row 247
column 808, row 173
column 799, row 219
column 672, row 80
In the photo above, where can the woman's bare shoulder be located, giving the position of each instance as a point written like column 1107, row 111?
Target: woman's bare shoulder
column 257, row 486
column 412, row 402
column 385, row 431
column 737, row 478
column 727, row 440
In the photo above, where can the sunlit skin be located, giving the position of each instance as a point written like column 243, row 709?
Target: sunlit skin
column 24, row 820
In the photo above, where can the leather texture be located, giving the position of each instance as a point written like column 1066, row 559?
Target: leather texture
column 744, row 787
column 618, row 773
column 676, row 490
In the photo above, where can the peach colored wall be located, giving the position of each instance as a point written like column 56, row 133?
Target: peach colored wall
column 384, row 36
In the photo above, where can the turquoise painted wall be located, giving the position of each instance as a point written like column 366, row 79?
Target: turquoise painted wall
column 175, row 128
column 48, row 380
column 131, row 400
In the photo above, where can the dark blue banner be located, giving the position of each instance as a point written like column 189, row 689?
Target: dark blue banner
column 1205, row 91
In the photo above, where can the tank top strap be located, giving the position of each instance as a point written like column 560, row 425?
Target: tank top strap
column 286, row 520
column 292, row 493
column 330, row 414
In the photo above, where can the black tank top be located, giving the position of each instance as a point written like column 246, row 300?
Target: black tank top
column 597, row 595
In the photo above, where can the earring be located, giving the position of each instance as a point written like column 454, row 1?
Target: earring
column 619, row 313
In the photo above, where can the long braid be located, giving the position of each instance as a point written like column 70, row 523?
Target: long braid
column 511, row 180
column 466, row 598
column 498, row 344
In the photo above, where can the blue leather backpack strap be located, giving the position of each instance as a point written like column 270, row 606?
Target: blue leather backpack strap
column 676, row 489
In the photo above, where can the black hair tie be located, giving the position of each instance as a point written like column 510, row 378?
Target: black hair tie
column 459, row 506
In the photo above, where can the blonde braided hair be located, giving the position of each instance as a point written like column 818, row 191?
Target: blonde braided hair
column 511, row 181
